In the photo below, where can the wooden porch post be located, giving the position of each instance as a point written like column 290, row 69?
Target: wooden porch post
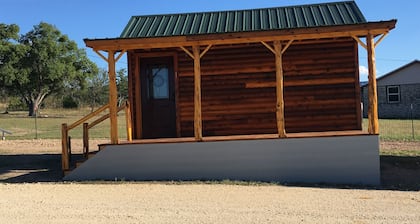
column 373, row 97
column 279, row 90
column 65, row 157
column 198, row 130
column 113, row 97
column 197, row 55
column 278, row 51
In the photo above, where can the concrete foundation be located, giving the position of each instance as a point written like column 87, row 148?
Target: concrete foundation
column 337, row 160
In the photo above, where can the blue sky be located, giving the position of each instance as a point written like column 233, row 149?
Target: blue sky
column 107, row 18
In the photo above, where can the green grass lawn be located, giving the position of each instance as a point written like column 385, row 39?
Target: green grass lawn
column 397, row 130
column 49, row 125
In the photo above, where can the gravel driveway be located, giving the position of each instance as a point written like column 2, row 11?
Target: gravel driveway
column 202, row 203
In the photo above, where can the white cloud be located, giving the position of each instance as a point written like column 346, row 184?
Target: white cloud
column 364, row 73
column 363, row 70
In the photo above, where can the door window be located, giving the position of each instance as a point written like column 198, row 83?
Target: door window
column 158, row 83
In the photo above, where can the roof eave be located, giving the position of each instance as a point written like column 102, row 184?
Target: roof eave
column 359, row 30
column 398, row 69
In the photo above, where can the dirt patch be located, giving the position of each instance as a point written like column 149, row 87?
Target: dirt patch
column 399, row 145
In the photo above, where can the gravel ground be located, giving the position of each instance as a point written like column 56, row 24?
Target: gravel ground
column 202, row 203
column 38, row 161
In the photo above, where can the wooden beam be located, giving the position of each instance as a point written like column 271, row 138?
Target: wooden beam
column 381, row 38
column 120, row 55
column 205, row 51
column 177, row 106
column 138, row 114
column 287, row 46
column 113, row 97
column 128, row 121
column 268, row 47
column 198, row 132
column 85, row 140
column 100, row 54
column 279, row 90
column 65, row 157
column 278, row 51
column 187, row 51
column 373, row 127
column 360, row 42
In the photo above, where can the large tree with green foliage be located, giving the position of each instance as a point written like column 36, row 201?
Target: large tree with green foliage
column 10, row 54
column 41, row 62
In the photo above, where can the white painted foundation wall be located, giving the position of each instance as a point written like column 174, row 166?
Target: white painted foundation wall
column 337, row 160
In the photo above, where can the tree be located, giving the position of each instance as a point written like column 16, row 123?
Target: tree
column 47, row 62
column 10, row 53
column 97, row 89
column 122, row 85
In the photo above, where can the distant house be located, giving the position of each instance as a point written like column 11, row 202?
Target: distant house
column 398, row 93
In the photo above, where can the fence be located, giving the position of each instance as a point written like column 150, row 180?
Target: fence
column 405, row 126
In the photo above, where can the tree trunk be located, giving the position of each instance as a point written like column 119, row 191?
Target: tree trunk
column 31, row 108
column 34, row 103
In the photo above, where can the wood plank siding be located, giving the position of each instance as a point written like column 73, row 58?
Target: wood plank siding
column 239, row 95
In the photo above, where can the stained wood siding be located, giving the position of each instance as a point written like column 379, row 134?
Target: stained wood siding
column 133, row 97
column 238, row 88
column 228, row 107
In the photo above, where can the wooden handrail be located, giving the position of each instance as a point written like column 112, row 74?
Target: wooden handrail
column 66, row 150
column 104, row 117
column 87, row 117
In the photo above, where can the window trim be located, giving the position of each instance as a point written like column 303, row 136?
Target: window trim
column 388, row 94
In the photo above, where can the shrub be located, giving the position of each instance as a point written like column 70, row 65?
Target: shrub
column 69, row 102
column 16, row 104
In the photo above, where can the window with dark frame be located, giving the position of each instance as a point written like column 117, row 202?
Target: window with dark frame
column 393, row 94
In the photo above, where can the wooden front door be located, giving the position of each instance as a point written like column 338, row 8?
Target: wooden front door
column 158, row 97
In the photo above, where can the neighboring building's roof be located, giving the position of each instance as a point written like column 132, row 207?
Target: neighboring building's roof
column 302, row 16
column 363, row 83
column 393, row 76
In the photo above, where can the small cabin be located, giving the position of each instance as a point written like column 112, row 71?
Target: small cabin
column 266, row 94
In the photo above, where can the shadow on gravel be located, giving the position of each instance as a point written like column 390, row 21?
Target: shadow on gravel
column 30, row 168
column 400, row 172
column 397, row 172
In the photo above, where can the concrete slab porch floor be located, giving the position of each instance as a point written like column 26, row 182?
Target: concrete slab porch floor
column 336, row 160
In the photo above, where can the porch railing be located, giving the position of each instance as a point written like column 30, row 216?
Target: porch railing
column 66, row 139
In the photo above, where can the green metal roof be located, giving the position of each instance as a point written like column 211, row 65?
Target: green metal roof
column 290, row 17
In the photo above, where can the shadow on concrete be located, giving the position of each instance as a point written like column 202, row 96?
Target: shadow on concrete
column 397, row 172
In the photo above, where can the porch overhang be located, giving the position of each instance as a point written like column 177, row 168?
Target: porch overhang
column 355, row 30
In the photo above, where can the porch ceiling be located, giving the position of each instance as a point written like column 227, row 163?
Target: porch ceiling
column 358, row 30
